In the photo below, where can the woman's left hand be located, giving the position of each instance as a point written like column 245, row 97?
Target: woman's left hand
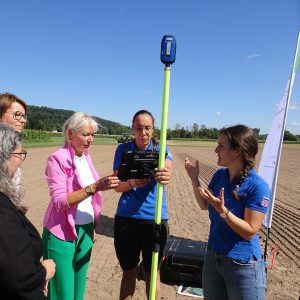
column 163, row 175
column 216, row 202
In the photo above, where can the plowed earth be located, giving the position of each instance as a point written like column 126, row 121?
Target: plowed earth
column 186, row 219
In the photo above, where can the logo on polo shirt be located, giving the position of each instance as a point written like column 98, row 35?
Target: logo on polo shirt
column 265, row 202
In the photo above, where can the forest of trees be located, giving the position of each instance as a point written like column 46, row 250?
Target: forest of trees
column 50, row 119
column 201, row 131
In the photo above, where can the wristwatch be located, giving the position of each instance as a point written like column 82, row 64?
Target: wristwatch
column 224, row 214
column 90, row 189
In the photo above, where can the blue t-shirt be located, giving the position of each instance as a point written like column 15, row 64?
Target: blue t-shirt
column 139, row 203
column 254, row 193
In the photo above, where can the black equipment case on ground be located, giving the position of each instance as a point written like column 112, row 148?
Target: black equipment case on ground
column 183, row 261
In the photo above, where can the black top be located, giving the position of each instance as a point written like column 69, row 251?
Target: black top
column 22, row 276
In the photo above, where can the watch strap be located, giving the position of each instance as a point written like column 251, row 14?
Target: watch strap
column 89, row 190
column 224, row 214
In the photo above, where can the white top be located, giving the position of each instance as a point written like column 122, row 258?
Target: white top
column 85, row 212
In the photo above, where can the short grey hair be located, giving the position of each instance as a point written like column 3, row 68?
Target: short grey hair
column 77, row 122
column 10, row 139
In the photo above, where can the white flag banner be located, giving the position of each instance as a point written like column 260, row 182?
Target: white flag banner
column 269, row 163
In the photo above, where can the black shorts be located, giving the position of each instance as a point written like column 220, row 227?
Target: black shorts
column 133, row 236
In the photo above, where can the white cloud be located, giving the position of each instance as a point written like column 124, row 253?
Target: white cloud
column 294, row 106
column 253, row 56
column 295, row 124
column 218, row 113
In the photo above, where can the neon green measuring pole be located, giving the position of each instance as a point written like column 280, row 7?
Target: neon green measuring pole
column 168, row 53
column 159, row 192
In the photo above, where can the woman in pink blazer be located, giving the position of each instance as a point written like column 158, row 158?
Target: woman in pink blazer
column 74, row 208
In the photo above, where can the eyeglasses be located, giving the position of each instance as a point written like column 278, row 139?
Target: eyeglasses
column 140, row 129
column 17, row 115
column 22, row 154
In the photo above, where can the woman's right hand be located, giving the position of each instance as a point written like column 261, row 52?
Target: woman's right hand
column 49, row 265
column 192, row 170
column 107, row 183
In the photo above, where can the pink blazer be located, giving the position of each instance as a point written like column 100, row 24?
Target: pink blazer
column 62, row 177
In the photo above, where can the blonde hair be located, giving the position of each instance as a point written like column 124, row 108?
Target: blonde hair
column 77, row 122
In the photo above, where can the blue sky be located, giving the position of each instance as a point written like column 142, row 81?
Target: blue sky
column 233, row 61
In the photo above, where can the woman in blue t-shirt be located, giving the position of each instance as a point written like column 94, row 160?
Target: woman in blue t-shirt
column 134, row 220
column 237, row 201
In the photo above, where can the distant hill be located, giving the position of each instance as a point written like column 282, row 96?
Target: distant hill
column 52, row 119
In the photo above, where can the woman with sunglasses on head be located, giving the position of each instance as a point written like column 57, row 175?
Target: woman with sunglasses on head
column 74, row 208
column 22, row 274
column 134, row 220
column 237, row 201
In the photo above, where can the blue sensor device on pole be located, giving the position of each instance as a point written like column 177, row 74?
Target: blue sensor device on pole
column 168, row 50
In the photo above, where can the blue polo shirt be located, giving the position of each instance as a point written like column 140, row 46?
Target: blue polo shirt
column 254, row 193
column 139, row 203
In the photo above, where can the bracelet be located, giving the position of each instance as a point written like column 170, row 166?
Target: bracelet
column 130, row 184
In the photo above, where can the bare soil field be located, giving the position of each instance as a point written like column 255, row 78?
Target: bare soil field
column 185, row 218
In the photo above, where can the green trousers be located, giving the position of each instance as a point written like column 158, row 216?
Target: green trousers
column 72, row 261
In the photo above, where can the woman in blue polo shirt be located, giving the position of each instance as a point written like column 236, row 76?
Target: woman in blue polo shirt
column 134, row 220
column 237, row 201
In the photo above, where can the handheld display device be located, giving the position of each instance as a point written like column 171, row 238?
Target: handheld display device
column 138, row 164
column 168, row 50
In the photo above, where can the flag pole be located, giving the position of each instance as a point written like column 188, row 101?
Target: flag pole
column 270, row 160
column 168, row 52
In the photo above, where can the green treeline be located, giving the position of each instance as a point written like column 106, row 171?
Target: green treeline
column 45, row 119
column 202, row 132
column 50, row 119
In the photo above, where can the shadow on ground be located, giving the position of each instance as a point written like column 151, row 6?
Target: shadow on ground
column 105, row 226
